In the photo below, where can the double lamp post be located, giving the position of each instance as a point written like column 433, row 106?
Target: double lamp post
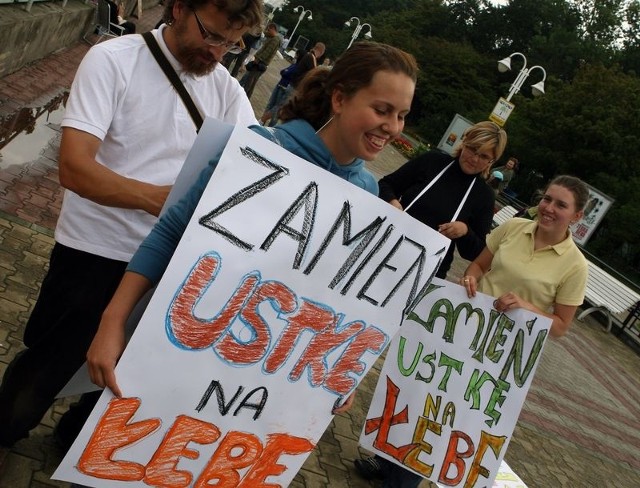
column 303, row 12
column 357, row 30
column 504, row 107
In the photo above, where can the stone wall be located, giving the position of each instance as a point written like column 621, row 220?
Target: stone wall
column 28, row 36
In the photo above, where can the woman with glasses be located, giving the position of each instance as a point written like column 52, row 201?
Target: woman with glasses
column 454, row 180
column 337, row 119
column 450, row 195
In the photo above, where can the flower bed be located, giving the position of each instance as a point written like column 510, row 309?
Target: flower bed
column 407, row 149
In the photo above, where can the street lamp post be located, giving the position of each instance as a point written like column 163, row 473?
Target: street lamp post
column 504, row 65
column 302, row 14
column 504, row 106
column 357, row 30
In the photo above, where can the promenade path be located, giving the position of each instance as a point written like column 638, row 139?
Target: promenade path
column 580, row 426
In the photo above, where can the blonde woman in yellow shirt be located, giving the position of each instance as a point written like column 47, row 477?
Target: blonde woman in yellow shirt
column 535, row 265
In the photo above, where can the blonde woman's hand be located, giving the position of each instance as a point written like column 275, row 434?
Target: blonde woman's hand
column 453, row 230
column 396, row 203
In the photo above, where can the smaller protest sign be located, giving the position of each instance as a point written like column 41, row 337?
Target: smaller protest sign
column 452, row 386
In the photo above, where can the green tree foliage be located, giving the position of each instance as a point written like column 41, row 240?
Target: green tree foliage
column 589, row 128
column 587, row 122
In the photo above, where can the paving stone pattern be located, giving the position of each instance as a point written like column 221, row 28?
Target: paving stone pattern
column 580, row 426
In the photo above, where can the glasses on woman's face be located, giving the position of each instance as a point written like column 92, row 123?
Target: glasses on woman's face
column 216, row 40
column 483, row 157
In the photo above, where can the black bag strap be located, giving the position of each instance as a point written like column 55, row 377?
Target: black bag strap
column 173, row 78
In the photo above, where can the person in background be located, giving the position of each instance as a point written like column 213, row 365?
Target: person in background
column 458, row 204
column 125, row 136
column 250, row 39
column 279, row 94
column 262, row 59
column 495, row 180
column 337, row 120
column 535, row 265
column 306, row 64
column 116, row 16
column 508, row 171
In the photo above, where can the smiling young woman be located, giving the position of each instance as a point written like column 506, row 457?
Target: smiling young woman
column 535, row 265
column 366, row 95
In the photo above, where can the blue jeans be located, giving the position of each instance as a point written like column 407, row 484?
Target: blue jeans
column 279, row 95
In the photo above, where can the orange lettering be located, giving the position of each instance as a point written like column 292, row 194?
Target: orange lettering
column 412, row 460
column 486, row 440
column 113, row 431
column 267, row 465
column 161, row 469
column 236, row 451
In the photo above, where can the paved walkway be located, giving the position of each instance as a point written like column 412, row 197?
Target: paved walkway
column 580, row 426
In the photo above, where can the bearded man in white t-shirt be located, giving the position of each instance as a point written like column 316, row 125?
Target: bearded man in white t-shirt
column 126, row 133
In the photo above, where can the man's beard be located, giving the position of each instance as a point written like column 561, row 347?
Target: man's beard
column 191, row 57
column 191, row 61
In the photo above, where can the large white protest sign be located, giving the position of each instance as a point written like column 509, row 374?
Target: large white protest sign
column 452, row 386
column 287, row 284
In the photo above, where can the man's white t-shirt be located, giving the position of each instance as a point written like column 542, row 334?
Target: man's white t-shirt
column 121, row 95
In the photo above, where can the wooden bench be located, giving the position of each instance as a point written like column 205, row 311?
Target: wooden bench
column 504, row 214
column 607, row 295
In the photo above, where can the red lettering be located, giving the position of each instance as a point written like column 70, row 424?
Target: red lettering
column 252, row 351
column 383, row 424
column 322, row 343
column 455, row 457
column 187, row 329
column 338, row 378
column 310, row 316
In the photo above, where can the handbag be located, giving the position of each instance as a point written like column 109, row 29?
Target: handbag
column 168, row 70
column 256, row 66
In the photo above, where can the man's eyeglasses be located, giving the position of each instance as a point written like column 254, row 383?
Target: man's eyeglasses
column 483, row 158
column 216, row 40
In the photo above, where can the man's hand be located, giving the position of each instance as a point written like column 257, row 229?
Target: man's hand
column 82, row 174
